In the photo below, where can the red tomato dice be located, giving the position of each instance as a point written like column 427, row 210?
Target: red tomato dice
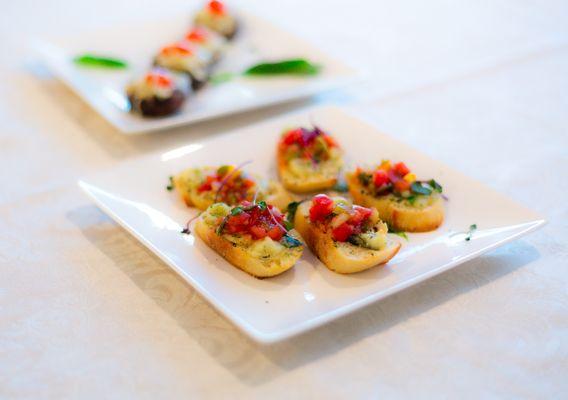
column 401, row 169
column 380, row 178
column 342, row 232
column 322, row 206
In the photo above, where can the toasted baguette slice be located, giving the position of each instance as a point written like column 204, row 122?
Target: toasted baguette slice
column 340, row 257
column 187, row 182
column 426, row 214
column 301, row 176
column 260, row 258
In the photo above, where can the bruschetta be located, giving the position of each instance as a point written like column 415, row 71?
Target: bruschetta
column 216, row 17
column 200, row 187
column 308, row 160
column 403, row 202
column 345, row 237
column 251, row 236
column 158, row 93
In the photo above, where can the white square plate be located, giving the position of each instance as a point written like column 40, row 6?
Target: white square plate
column 308, row 295
column 257, row 40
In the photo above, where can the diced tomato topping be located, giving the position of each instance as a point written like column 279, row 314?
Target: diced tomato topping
column 360, row 214
column 293, row 136
column 197, row 35
column 380, row 178
column 401, row 186
column 342, row 232
column 276, row 233
column 256, row 221
column 322, row 206
column 401, row 169
column 216, row 7
column 330, row 141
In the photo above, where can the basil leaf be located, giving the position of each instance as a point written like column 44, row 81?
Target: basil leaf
column 297, row 66
column 291, row 213
column 289, row 241
column 417, row 188
column 90, row 60
column 435, row 185
column 262, row 205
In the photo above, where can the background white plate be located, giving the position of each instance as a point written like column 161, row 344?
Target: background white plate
column 257, row 40
column 308, row 295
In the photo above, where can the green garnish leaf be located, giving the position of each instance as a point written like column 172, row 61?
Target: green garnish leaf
column 472, row 228
column 341, row 187
column 435, row 185
column 170, row 186
column 296, row 66
column 289, row 241
column 262, row 205
column 402, row 234
column 291, row 213
column 91, row 60
column 236, row 211
column 288, row 225
column 222, row 77
column 418, row 188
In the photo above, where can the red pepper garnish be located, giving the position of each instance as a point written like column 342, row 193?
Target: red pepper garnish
column 158, row 78
column 197, row 35
column 180, row 48
column 216, row 7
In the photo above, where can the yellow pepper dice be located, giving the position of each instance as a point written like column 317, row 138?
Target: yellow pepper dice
column 410, row 177
column 385, row 165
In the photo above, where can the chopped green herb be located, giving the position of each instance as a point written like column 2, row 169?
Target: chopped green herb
column 262, row 205
column 418, row 188
column 223, row 170
column 91, row 60
column 289, row 241
column 297, row 66
column 472, row 228
column 411, row 199
column 170, row 186
column 237, row 210
column 364, row 178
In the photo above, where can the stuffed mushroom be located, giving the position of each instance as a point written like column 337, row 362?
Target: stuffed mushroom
column 216, row 17
column 184, row 58
column 158, row 93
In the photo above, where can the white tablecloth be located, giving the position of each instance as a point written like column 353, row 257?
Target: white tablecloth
column 87, row 312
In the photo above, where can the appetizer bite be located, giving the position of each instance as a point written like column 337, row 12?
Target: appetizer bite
column 216, row 17
column 403, row 202
column 211, row 43
column 184, row 58
column 345, row 237
column 251, row 236
column 201, row 187
column 308, row 160
column 158, row 93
